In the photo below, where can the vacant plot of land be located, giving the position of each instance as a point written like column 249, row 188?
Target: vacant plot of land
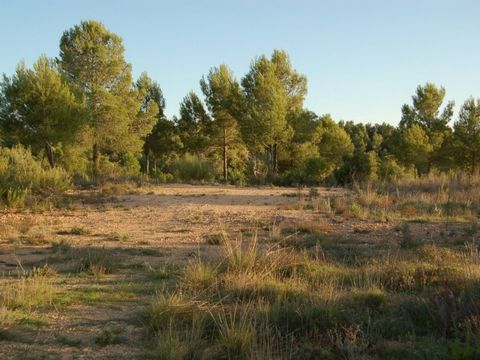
column 223, row 272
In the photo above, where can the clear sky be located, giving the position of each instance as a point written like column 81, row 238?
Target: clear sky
column 363, row 58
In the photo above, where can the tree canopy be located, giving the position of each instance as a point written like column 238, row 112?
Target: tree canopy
column 84, row 111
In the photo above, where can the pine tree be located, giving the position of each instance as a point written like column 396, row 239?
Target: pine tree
column 426, row 112
column 92, row 58
column 224, row 100
column 265, row 123
column 194, row 125
column 467, row 135
column 39, row 108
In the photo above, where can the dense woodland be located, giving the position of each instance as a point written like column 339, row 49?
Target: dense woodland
column 82, row 115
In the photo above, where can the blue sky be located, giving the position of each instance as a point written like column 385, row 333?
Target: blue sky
column 363, row 59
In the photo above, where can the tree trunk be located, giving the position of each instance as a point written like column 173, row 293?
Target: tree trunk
column 95, row 160
column 49, row 152
column 474, row 164
column 225, row 172
column 147, row 162
column 270, row 161
column 275, row 160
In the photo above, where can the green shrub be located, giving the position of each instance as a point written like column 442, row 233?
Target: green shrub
column 316, row 170
column 373, row 299
column 20, row 170
column 130, row 166
column 192, row 168
column 469, row 349
column 16, row 197
column 162, row 177
column 390, row 169
column 22, row 176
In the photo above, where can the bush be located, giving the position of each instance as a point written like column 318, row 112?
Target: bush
column 192, row 168
column 126, row 166
column 21, row 175
column 390, row 169
column 130, row 165
column 162, row 177
column 316, row 170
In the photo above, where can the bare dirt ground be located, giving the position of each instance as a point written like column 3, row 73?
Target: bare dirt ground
column 148, row 228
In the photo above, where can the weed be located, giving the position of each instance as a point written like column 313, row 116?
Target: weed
column 218, row 238
column 25, row 225
column 108, row 337
column 235, row 332
column 275, row 232
column 27, row 293
column 35, row 239
column 74, row 231
column 313, row 193
column 62, row 246
column 408, row 241
column 62, row 339
column 170, row 311
column 160, row 273
column 43, row 271
column 240, row 257
column 116, row 237
column 373, row 299
column 8, row 317
column 97, row 261
column 198, row 275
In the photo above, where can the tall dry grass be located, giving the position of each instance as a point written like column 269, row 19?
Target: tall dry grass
column 269, row 300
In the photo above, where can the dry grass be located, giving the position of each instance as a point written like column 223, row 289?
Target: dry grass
column 432, row 198
column 27, row 293
column 340, row 276
column 278, row 293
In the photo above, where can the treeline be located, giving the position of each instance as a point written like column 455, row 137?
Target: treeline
column 83, row 112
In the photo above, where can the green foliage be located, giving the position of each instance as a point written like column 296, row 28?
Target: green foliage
column 84, row 112
column 224, row 101
column 108, row 337
column 194, row 125
column 390, row 169
column 416, row 148
column 192, row 168
column 272, row 90
column 39, row 105
column 96, row 261
column 467, row 136
column 469, row 349
column 15, row 197
column 316, row 169
column 163, row 144
column 429, row 127
column 150, row 93
column 125, row 166
column 334, row 144
column 21, row 174
column 129, row 164
column 120, row 116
